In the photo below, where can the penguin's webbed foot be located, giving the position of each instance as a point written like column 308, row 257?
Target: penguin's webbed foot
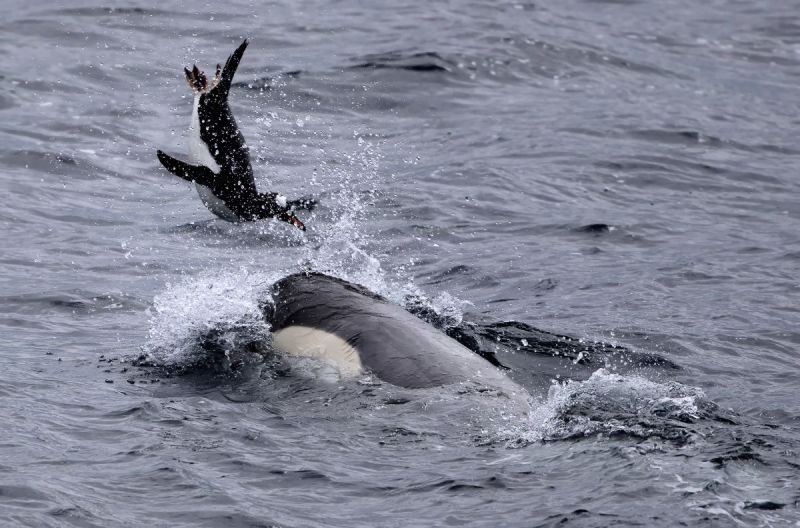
column 217, row 77
column 197, row 80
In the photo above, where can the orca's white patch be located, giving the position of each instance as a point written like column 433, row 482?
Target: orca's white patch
column 313, row 343
column 281, row 200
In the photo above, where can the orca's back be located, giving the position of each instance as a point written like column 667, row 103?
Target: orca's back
column 393, row 344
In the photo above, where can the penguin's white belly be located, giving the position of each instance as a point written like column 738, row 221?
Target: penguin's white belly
column 200, row 155
column 198, row 150
column 215, row 205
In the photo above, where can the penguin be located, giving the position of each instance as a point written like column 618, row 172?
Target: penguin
column 219, row 159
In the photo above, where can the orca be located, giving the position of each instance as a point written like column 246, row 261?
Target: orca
column 219, row 159
column 315, row 315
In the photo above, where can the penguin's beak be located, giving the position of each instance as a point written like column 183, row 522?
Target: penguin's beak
column 292, row 219
column 297, row 223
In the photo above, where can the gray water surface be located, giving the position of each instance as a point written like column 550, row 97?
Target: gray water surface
column 616, row 171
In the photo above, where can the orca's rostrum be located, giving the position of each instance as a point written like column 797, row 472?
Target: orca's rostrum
column 219, row 159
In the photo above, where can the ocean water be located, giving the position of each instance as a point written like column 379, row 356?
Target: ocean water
column 600, row 194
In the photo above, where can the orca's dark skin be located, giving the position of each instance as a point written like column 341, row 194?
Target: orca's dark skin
column 221, row 168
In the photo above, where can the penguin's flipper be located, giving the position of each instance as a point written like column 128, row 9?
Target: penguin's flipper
column 192, row 173
column 223, row 86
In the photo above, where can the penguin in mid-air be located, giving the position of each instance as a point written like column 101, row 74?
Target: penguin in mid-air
column 219, row 158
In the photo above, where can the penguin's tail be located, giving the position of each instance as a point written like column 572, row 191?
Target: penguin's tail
column 224, row 77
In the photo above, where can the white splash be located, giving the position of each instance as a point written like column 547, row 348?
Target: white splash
column 223, row 304
column 606, row 403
